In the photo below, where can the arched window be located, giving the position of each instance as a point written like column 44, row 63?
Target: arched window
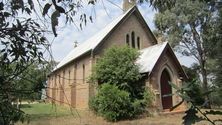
column 52, row 84
column 75, row 68
column 55, row 80
column 133, row 39
column 138, row 42
column 83, row 73
column 127, row 39
column 69, row 76
column 63, row 77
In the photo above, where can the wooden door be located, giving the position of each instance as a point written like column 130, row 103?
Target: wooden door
column 166, row 90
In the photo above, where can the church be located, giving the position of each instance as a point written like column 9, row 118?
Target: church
column 68, row 83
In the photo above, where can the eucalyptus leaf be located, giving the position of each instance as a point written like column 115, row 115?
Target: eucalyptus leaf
column 46, row 8
column 54, row 21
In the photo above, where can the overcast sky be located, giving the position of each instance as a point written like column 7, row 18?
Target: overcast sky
column 103, row 14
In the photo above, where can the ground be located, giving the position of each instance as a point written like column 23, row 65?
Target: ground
column 48, row 114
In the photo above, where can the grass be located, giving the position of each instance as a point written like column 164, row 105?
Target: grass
column 45, row 110
column 48, row 114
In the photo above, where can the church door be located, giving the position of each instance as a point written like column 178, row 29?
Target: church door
column 165, row 90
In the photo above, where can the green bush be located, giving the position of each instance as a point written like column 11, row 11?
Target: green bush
column 121, row 93
column 114, row 104
column 111, row 103
column 140, row 105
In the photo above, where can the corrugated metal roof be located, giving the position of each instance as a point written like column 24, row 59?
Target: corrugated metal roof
column 149, row 56
column 91, row 43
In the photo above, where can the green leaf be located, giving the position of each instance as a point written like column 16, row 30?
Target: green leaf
column 174, row 86
column 28, row 10
column 60, row 9
column 54, row 21
column 208, row 92
column 18, row 24
column 7, row 14
column 30, row 2
column 1, row 5
column 46, row 8
column 90, row 18
column 185, row 97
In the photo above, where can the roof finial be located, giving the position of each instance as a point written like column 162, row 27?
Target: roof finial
column 127, row 4
column 75, row 44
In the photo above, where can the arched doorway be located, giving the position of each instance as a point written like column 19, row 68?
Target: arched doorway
column 166, row 90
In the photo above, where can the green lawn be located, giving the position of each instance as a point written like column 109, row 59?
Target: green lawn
column 46, row 110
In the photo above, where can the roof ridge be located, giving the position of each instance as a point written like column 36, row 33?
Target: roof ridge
column 92, row 42
column 158, row 44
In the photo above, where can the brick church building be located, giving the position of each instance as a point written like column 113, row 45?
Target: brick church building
column 67, row 83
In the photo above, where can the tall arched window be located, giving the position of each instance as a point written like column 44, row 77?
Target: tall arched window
column 133, row 39
column 127, row 39
column 69, row 76
column 83, row 73
column 63, row 77
column 75, row 68
column 138, row 42
column 55, row 80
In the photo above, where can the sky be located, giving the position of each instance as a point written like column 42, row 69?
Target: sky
column 103, row 13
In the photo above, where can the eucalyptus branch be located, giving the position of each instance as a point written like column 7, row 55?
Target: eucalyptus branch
column 202, row 113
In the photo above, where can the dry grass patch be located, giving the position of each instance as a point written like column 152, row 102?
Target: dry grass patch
column 47, row 114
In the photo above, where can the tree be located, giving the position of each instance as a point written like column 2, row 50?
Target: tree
column 32, row 81
column 117, row 66
column 23, row 40
column 194, row 114
column 217, row 57
column 120, row 83
column 187, row 26
column 22, row 37
column 191, row 73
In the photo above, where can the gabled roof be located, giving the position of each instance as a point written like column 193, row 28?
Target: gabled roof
column 97, row 39
column 91, row 43
column 150, row 56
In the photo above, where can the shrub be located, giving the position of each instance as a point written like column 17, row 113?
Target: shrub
column 123, row 94
column 111, row 103
column 117, row 66
column 140, row 105
column 115, row 104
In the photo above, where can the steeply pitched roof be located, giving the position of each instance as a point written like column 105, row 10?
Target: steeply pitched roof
column 97, row 39
column 92, row 42
column 149, row 57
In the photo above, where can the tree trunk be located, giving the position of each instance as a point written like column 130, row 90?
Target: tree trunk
column 202, row 62
column 205, row 85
